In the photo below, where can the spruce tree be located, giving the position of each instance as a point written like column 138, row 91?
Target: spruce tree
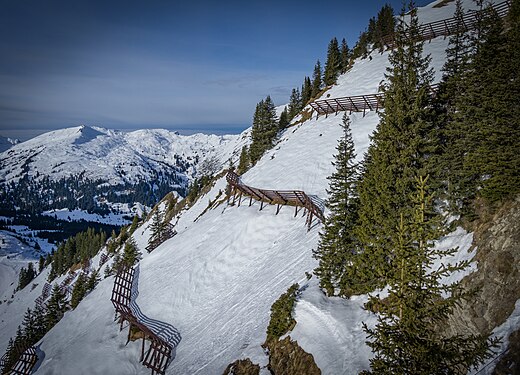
column 10, row 357
column 264, row 130
column 93, row 280
column 131, row 254
column 295, row 103
column 56, row 307
column 401, row 147
column 451, row 89
column 306, row 91
column 29, row 326
column 407, row 338
column 283, row 122
column 384, row 26
column 316, row 80
column 41, row 263
column 243, row 163
column 135, row 223
column 157, row 227
column 344, row 56
column 333, row 63
column 337, row 246
column 79, row 291
column 490, row 106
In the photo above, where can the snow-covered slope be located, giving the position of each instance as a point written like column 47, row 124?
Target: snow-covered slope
column 113, row 156
column 216, row 280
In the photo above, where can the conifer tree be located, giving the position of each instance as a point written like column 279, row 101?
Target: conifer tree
column 316, row 80
column 295, row 103
column 384, row 26
column 344, row 56
column 264, row 130
column 337, row 246
column 157, row 227
column 135, row 223
column 79, row 291
column 402, row 144
column 490, row 107
column 93, row 280
column 131, row 253
column 451, row 88
column 9, row 358
column 29, row 326
column 41, row 263
column 306, row 91
column 39, row 323
column 56, row 307
column 407, row 338
column 333, row 63
column 243, row 163
column 283, row 122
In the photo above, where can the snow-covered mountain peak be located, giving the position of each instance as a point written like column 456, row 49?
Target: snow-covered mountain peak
column 114, row 156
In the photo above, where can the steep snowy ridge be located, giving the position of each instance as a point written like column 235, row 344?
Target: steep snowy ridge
column 216, row 280
column 114, row 156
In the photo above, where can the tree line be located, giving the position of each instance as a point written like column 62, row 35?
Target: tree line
column 430, row 153
column 267, row 125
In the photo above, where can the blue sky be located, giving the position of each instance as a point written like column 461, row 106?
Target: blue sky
column 188, row 66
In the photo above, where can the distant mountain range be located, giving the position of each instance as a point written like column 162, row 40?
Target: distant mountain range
column 7, row 143
column 91, row 164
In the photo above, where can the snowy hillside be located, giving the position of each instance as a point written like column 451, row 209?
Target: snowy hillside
column 216, row 280
column 113, row 156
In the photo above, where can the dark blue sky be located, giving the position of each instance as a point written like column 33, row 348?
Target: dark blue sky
column 188, row 66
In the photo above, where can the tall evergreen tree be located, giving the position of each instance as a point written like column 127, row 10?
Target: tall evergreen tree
column 407, row 338
column 79, row 291
column 56, row 307
column 344, row 56
column 284, row 120
column 402, row 143
column 306, row 91
column 333, row 63
column 243, row 163
column 295, row 103
column 384, row 25
column 135, row 223
column 264, row 130
column 451, row 89
column 337, row 246
column 316, row 80
column 131, row 254
column 157, row 227
column 490, row 106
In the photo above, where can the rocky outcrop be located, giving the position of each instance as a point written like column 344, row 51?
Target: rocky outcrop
column 286, row 357
column 496, row 283
column 242, row 367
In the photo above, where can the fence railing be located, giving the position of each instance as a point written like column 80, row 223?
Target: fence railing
column 296, row 198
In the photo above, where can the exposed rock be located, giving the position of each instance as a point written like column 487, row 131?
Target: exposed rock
column 497, row 281
column 242, row 367
column 286, row 357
